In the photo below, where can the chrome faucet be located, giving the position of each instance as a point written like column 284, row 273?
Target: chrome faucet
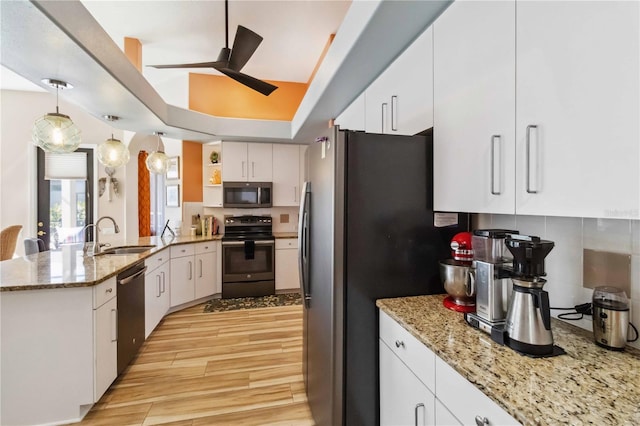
column 96, row 241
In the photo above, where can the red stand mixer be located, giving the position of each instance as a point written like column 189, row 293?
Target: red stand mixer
column 457, row 275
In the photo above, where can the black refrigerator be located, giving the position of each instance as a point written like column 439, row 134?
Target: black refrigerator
column 367, row 231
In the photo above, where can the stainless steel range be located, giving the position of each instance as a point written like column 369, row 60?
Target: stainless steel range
column 248, row 257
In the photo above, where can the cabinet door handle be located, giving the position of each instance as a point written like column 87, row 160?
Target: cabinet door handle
column 394, row 113
column 399, row 343
column 114, row 325
column 415, row 412
column 200, row 267
column 482, row 421
column 494, row 139
column 190, row 270
column 163, row 282
column 243, row 169
column 384, row 116
column 528, row 138
column 253, row 169
column 159, row 289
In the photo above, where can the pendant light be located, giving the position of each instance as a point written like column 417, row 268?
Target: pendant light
column 56, row 132
column 112, row 152
column 158, row 162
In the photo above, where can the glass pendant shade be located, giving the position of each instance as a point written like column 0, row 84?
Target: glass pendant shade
column 158, row 162
column 56, row 132
column 113, row 153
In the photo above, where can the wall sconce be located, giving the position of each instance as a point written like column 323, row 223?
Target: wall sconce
column 112, row 152
column 55, row 132
column 158, row 162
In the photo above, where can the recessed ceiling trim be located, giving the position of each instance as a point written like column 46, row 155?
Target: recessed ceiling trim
column 61, row 39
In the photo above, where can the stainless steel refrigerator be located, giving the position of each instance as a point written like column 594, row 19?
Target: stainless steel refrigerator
column 366, row 232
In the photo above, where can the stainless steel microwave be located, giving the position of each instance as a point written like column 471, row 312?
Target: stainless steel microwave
column 248, row 195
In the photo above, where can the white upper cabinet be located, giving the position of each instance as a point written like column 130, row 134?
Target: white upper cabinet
column 286, row 175
column 578, row 84
column 474, row 100
column 353, row 118
column 260, row 162
column 247, row 162
column 574, row 150
column 400, row 100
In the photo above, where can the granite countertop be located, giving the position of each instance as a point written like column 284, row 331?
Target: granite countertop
column 69, row 268
column 285, row 234
column 588, row 385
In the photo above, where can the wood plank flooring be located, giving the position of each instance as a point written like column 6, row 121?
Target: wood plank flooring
column 239, row 367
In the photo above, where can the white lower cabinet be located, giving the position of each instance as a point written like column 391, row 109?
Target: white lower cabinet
column 206, row 267
column 404, row 399
column 417, row 387
column 287, row 264
column 183, row 282
column 157, row 290
column 444, row 416
column 105, row 335
column 193, row 271
column 466, row 402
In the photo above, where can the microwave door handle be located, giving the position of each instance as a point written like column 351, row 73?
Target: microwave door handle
column 259, row 195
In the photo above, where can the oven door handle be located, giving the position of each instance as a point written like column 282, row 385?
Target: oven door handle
column 241, row 243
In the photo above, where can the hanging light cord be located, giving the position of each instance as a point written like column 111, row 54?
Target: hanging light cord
column 57, row 89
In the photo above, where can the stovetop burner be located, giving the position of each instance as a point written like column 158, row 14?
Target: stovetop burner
column 242, row 228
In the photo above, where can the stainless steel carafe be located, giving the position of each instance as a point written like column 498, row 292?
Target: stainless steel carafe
column 528, row 323
column 610, row 317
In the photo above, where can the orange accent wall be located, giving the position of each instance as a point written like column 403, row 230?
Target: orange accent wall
column 191, row 171
column 224, row 97
column 133, row 51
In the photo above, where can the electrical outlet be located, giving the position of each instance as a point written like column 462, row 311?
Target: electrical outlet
column 606, row 268
column 284, row 218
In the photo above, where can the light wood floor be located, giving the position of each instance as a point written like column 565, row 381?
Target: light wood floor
column 230, row 368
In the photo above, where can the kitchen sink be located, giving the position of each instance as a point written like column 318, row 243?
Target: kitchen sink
column 126, row 250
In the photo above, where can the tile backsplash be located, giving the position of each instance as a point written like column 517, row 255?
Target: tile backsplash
column 565, row 263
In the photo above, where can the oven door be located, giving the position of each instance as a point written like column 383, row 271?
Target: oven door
column 242, row 262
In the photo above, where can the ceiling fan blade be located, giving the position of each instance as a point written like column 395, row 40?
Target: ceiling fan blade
column 244, row 45
column 216, row 65
column 251, row 82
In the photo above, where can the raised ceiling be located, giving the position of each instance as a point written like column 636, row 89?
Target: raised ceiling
column 63, row 40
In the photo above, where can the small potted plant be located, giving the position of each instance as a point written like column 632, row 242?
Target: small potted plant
column 214, row 157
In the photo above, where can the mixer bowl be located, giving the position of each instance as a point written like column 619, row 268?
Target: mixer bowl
column 459, row 281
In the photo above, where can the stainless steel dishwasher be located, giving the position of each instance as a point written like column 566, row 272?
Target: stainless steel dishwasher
column 130, row 313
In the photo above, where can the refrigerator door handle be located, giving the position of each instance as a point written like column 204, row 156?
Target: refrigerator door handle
column 303, row 243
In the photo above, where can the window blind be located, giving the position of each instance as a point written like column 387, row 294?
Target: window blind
column 71, row 165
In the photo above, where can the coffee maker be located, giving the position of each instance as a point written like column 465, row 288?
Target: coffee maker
column 492, row 270
column 528, row 322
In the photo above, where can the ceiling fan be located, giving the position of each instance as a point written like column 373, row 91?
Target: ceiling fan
column 231, row 61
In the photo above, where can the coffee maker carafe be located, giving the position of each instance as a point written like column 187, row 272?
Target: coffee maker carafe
column 528, row 323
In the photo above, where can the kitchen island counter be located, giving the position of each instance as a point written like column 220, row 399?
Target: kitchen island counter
column 588, row 385
column 69, row 268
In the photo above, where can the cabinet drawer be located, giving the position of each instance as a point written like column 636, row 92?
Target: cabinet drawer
column 409, row 349
column 286, row 243
column 207, row 247
column 156, row 260
column 182, row 250
column 104, row 292
column 465, row 401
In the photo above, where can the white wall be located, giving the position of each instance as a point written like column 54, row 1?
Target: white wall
column 564, row 265
column 18, row 111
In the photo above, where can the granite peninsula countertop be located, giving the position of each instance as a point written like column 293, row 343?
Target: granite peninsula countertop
column 588, row 385
column 69, row 268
